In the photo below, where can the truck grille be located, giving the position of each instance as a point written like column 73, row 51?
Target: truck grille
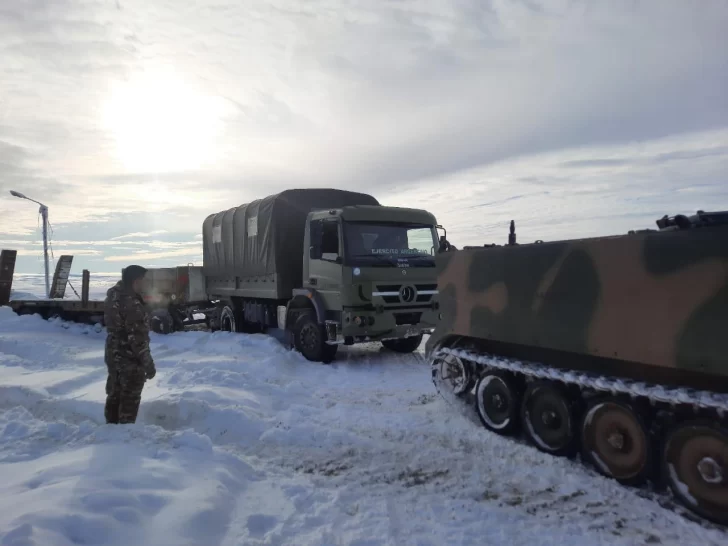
column 405, row 293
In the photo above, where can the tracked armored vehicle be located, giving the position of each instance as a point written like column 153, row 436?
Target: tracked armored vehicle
column 614, row 348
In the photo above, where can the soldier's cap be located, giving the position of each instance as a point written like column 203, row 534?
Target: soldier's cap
column 132, row 273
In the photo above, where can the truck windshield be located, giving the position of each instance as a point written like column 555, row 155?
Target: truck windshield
column 390, row 243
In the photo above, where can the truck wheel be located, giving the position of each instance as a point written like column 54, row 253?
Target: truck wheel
column 309, row 338
column 227, row 319
column 403, row 345
column 162, row 323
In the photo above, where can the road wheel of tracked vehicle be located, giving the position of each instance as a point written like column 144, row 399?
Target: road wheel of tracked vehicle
column 695, row 463
column 549, row 418
column 497, row 399
column 403, row 345
column 309, row 338
column 453, row 374
column 616, row 441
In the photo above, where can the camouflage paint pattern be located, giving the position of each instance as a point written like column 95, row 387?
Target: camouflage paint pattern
column 127, row 355
column 123, row 396
column 642, row 302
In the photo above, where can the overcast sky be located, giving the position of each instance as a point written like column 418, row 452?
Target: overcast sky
column 133, row 120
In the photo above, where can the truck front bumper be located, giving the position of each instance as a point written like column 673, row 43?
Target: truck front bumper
column 364, row 326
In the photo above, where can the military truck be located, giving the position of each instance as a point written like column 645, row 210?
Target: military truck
column 327, row 266
column 612, row 347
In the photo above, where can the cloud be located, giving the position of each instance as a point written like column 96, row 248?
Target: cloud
column 584, row 192
column 146, row 255
column 38, row 252
column 139, row 117
column 139, row 234
column 126, row 244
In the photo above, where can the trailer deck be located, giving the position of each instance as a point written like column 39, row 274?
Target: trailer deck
column 82, row 310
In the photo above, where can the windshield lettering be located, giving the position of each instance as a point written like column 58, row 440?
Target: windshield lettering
column 398, row 251
column 390, row 244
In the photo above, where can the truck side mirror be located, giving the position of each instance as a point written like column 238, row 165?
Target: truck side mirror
column 445, row 245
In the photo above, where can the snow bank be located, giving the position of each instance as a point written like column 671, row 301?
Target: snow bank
column 241, row 441
column 113, row 485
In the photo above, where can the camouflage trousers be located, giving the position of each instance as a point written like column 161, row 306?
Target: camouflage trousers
column 123, row 394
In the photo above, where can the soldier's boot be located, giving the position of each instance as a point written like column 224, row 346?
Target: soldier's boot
column 113, row 388
column 132, row 384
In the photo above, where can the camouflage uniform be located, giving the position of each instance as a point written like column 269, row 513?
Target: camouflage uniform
column 128, row 359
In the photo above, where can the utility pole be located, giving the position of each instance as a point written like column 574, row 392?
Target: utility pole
column 44, row 215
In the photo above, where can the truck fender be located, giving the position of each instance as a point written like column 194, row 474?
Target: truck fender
column 313, row 297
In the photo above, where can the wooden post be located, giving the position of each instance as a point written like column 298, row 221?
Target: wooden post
column 85, row 280
column 7, row 269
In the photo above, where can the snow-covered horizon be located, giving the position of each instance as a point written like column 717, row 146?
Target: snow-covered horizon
column 31, row 286
column 241, row 441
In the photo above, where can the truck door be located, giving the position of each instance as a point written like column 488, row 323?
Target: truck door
column 326, row 256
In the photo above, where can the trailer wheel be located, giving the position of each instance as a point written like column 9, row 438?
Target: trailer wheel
column 309, row 338
column 403, row 345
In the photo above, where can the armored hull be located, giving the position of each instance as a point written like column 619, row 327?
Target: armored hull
column 615, row 347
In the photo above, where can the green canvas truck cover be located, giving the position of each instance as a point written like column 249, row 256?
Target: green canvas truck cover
column 265, row 237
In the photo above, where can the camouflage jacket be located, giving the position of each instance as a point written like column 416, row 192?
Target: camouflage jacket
column 127, row 326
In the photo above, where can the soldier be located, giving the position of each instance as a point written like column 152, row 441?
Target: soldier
column 128, row 359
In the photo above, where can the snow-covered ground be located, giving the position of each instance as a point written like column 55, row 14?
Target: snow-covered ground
column 242, row 442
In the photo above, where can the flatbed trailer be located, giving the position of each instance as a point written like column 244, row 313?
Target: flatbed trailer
column 83, row 310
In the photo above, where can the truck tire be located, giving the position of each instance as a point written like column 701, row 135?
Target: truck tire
column 228, row 320
column 309, row 338
column 403, row 345
column 162, row 323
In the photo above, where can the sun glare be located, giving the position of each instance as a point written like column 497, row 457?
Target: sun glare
column 160, row 124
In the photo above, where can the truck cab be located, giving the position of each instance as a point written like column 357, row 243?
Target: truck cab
column 369, row 274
